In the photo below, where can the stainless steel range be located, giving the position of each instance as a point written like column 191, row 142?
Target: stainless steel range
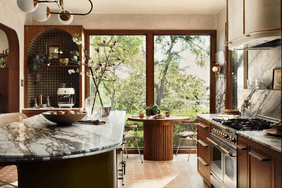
column 223, row 149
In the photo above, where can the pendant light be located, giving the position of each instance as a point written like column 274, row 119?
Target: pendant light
column 65, row 17
column 42, row 13
column 27, row 5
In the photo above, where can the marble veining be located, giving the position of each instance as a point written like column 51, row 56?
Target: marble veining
column 262, row 62
column 262, row 102
column 36, row 138
column 273, row 142
column 260, row 137
column 220, row 95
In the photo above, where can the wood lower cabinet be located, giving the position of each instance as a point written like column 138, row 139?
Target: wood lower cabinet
column 203, row 150
column 258, row 166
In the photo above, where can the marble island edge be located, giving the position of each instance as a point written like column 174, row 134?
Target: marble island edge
column 37, row 139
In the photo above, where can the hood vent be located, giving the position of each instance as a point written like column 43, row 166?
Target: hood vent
column 264, row 46
column 264, row 40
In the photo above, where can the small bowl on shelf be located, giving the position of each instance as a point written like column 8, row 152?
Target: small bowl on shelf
column 67, row 117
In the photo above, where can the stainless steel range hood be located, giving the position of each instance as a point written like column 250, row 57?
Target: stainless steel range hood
column 263, row 40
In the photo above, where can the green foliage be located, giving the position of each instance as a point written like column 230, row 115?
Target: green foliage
column 183, row 95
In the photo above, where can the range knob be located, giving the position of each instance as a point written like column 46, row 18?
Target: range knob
column 233, row 140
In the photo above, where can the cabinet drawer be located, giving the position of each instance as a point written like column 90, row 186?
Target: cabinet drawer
column 203, row 131
column 203, row 150
column 242, row 153
column 204, row 168
column 260, row 168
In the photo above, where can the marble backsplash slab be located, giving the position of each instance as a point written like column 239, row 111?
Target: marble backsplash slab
column 220, row 95
column 261, row 64
column 262, row 102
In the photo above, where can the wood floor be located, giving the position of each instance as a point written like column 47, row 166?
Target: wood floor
column 179, row 173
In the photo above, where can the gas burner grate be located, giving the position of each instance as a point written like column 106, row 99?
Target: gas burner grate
column 245, row 124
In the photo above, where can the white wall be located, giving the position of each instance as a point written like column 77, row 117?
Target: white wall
column 138, row 21
column 3, row 41
column 13, row 17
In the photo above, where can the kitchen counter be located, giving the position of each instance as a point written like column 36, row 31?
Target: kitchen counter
column 260, row 137
column 36, row 138
column 273, row 142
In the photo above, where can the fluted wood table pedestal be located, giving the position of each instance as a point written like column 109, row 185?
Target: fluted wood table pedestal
column 158, row 137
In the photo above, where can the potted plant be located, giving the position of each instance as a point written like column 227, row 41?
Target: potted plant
column 154, row 110
column 2, row 58
column 36, row 60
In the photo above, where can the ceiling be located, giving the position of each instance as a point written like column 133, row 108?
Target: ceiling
column 144, row 6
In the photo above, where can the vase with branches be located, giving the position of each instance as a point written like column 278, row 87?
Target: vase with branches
column 99, row 68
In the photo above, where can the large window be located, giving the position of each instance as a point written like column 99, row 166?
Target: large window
column 181, row 72
column 182, row 76
column 126, row 87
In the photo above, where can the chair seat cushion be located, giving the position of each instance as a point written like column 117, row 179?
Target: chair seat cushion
column 129, row 127
column 186, row 134
column 130, row 136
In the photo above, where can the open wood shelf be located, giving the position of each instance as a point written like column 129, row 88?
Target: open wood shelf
column 64, row 66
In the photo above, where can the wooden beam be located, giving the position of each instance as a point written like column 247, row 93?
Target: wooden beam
column 149, row 69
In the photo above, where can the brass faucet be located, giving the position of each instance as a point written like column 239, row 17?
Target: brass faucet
column 246, row 104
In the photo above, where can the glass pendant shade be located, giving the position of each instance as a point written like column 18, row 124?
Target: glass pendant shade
column 27, row 5
column 42, row 13
column 65, row 18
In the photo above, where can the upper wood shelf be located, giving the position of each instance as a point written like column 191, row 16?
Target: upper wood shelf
column 64, row 66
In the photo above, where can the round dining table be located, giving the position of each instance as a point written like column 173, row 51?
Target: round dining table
column 158, row 136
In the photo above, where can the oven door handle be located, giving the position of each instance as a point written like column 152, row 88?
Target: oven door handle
column 220, row 147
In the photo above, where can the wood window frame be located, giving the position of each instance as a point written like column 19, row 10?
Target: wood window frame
column 150, row 56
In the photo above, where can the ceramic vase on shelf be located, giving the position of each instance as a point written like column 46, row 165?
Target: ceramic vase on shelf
column 96, row 110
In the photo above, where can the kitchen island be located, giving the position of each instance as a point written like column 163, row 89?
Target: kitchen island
column 50, row 155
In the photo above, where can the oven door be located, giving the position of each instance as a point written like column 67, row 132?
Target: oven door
column 223, row 163
column 230, row 170
column 216, row 160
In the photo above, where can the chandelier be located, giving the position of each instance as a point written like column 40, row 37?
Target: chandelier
column 41, row 12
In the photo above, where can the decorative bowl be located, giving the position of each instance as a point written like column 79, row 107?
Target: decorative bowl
column 277, row 127
column 64, row 119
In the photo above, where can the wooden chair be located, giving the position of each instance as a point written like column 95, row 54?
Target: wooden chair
column 188, row 134
column 6, row 119
column 132, row 137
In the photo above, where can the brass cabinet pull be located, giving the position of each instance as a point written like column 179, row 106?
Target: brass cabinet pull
column 258, row 156
column 203, row 161
column 202, row 143
column 242, row 147
column 203, row 126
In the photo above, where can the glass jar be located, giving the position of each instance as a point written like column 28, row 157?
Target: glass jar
column 97, row 110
